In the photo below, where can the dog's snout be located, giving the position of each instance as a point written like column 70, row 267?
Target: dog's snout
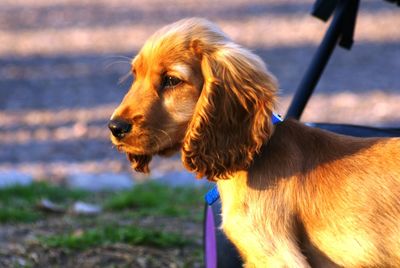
column 119, row 127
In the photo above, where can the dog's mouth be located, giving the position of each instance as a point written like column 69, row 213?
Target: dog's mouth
column 140, row 162
column 127, row 148
column 124, row 148
column 140, row 158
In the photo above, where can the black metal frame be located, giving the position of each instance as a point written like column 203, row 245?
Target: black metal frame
column 340, row 30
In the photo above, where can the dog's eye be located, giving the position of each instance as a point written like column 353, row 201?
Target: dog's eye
column 170, row 81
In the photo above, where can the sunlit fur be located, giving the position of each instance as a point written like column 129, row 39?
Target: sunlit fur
column 292, row 196
column 232, row 116
column 226, row 88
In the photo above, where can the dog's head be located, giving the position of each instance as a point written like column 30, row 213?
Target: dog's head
column 195, row 90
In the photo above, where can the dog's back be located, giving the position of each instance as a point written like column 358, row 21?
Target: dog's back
column 352, row 213
column 336, row 197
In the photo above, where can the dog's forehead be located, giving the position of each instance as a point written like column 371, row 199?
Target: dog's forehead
column 163, row 56
column 177, row 37
column 174, row 63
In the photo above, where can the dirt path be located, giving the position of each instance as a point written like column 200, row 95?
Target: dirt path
column 19, row 246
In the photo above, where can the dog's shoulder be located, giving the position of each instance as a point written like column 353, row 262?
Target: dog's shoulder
column 297, row 148
column 308, row 138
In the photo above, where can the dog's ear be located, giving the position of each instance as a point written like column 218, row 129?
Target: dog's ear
column 139, row 163
column 232, row 118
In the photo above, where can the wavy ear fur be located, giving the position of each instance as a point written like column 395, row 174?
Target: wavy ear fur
column 232, row 119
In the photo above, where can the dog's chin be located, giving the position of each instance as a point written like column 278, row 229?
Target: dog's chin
column 140, row 159
column 140, row 163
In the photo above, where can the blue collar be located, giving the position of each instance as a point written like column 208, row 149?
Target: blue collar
column 213, row 194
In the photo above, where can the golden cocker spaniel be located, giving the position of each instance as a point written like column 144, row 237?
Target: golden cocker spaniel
column 292, row 196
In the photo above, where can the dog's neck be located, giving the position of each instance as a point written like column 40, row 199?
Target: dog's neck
column 213, row 195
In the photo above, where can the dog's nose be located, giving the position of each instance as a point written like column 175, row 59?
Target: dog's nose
column 119, row 127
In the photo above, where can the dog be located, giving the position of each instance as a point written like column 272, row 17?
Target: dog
column 292, row 195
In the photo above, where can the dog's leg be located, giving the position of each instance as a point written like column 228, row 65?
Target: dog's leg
column 261, row 225
column 284, row 257
column 265, row 249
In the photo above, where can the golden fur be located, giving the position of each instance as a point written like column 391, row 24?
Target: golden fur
column 292, row 196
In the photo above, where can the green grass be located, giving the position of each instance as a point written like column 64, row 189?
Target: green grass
column 18, row 203
column 158, row 199
column 117, row 234
column 38, row 190
column 12, row 214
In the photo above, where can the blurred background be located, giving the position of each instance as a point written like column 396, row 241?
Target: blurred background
column 63, row 69
column 62, row 65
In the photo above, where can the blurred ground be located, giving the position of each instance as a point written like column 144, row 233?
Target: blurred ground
column 151, row 225
column 61, row 62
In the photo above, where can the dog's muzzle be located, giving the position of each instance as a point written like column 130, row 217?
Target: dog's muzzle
column 119, row 127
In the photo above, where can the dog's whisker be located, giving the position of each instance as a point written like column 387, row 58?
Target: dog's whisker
column 109, row 65
column 123, row 78
column 119, row 57
column 157, row 142
column 165, row 133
